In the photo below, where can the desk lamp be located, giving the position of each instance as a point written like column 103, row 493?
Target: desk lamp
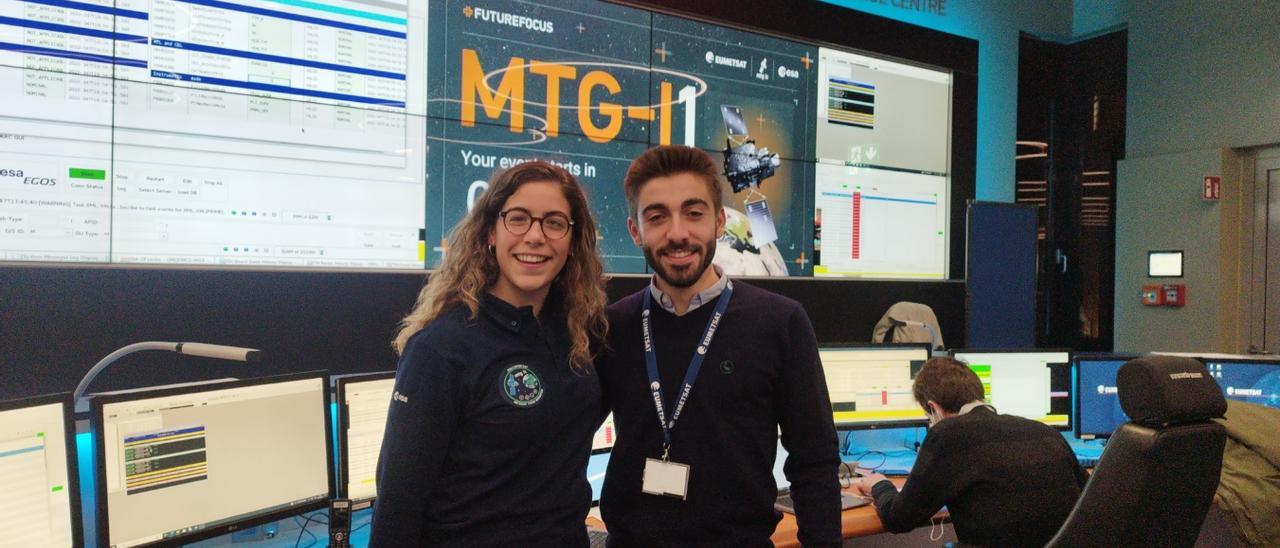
column 192, row 349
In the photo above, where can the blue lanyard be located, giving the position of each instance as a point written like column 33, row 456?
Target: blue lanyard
column 695, row 364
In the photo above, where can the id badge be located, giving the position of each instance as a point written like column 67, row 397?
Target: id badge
column 665, row 478
column 763, row 230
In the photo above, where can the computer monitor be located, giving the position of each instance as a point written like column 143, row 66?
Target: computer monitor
column 40, row 505
column 1024, row 383
column 1252, row 381
column 603, row 440
column 870, row 384
column 182, row 464
column 1098, row 411
column 601, row 446
column 363, row 401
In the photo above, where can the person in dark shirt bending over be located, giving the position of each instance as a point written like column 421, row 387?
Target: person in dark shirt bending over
column 701, row 371
column 1006, row 480
column 495, row 400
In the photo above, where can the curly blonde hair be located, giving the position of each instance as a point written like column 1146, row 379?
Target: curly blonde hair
column 469, row 269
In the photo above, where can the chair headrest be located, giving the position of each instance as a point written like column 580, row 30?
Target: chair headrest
column 1159, row 390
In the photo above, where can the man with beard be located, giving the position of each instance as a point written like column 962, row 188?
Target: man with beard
column 721, row 366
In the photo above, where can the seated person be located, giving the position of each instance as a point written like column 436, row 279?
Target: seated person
column 1006, row 480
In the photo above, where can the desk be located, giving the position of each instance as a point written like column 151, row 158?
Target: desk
column 854, row 522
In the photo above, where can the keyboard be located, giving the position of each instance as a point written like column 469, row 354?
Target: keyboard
column 597, row 537
column 1087, row 462
column 847, row 501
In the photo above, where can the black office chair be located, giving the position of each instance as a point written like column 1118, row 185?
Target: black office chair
column 1155, row 480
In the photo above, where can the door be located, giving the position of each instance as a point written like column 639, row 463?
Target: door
column 1268, row 173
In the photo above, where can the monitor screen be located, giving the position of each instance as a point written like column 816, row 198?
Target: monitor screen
column 362, row 418
column 41, row 501
column 870, row 385
column 188, row 463
column 603, row 440
column 185, row 133
column 1248, row 381
column 883, row 148
column 1097, row 404
column 1021, row 382
column 1252, row 381
column 1164, row 264
column 295, row 134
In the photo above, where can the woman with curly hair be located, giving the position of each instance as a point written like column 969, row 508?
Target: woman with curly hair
column 496, row 399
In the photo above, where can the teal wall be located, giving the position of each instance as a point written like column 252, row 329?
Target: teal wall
column 1089, row 17
column 995, row 24
column 1203, row 77
column 1158, row 209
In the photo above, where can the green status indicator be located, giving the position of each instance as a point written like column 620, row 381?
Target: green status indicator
column 82, row 173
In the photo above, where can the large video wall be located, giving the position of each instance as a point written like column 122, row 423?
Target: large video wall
column 356, row 133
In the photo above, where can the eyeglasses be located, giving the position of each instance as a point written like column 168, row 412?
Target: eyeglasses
column 555, row 225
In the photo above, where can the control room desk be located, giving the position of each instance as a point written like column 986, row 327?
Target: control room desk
column 855, row 522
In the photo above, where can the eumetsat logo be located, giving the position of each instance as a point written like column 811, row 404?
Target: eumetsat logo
column 508, row 19
column 715, row 59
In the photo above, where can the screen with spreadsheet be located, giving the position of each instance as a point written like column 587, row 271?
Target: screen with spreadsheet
column 870, row 386
column 603, row 440
column 1022, row 383
column 188, row 463
column 882, row 182
column 362, row 419
column 216, row 132
column 40, row 505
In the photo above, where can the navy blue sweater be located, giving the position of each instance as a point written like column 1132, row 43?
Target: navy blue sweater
column 488, row 434
column 1006, row 480
column 762, row 371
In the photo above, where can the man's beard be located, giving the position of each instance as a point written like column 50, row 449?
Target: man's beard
column 687, row 276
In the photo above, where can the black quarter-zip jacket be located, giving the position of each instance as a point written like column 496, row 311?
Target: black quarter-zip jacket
column 488, row 434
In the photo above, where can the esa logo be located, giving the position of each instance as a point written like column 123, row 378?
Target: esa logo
column 39, row 181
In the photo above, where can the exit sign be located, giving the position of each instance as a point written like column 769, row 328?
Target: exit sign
column 1212, row 187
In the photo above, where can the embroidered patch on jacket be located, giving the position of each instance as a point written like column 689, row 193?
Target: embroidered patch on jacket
column 521, row 386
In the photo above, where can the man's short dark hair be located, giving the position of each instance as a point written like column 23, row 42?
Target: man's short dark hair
column 666, row 161
column 947, row 382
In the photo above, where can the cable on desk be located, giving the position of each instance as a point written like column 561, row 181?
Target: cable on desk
column 941, row 526
column 303, row 528
column 883, row 459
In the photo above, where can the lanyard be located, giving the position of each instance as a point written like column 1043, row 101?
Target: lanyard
column 695, row 364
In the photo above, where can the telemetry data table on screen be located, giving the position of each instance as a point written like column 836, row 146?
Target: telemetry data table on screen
column 254, row 132
column 880, row 223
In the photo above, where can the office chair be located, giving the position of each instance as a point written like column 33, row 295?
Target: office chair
column 1155, row 480
column 907, row 322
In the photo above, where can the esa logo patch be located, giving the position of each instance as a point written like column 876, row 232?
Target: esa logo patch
column 521, row 386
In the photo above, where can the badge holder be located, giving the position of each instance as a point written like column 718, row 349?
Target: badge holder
column 665, row 478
